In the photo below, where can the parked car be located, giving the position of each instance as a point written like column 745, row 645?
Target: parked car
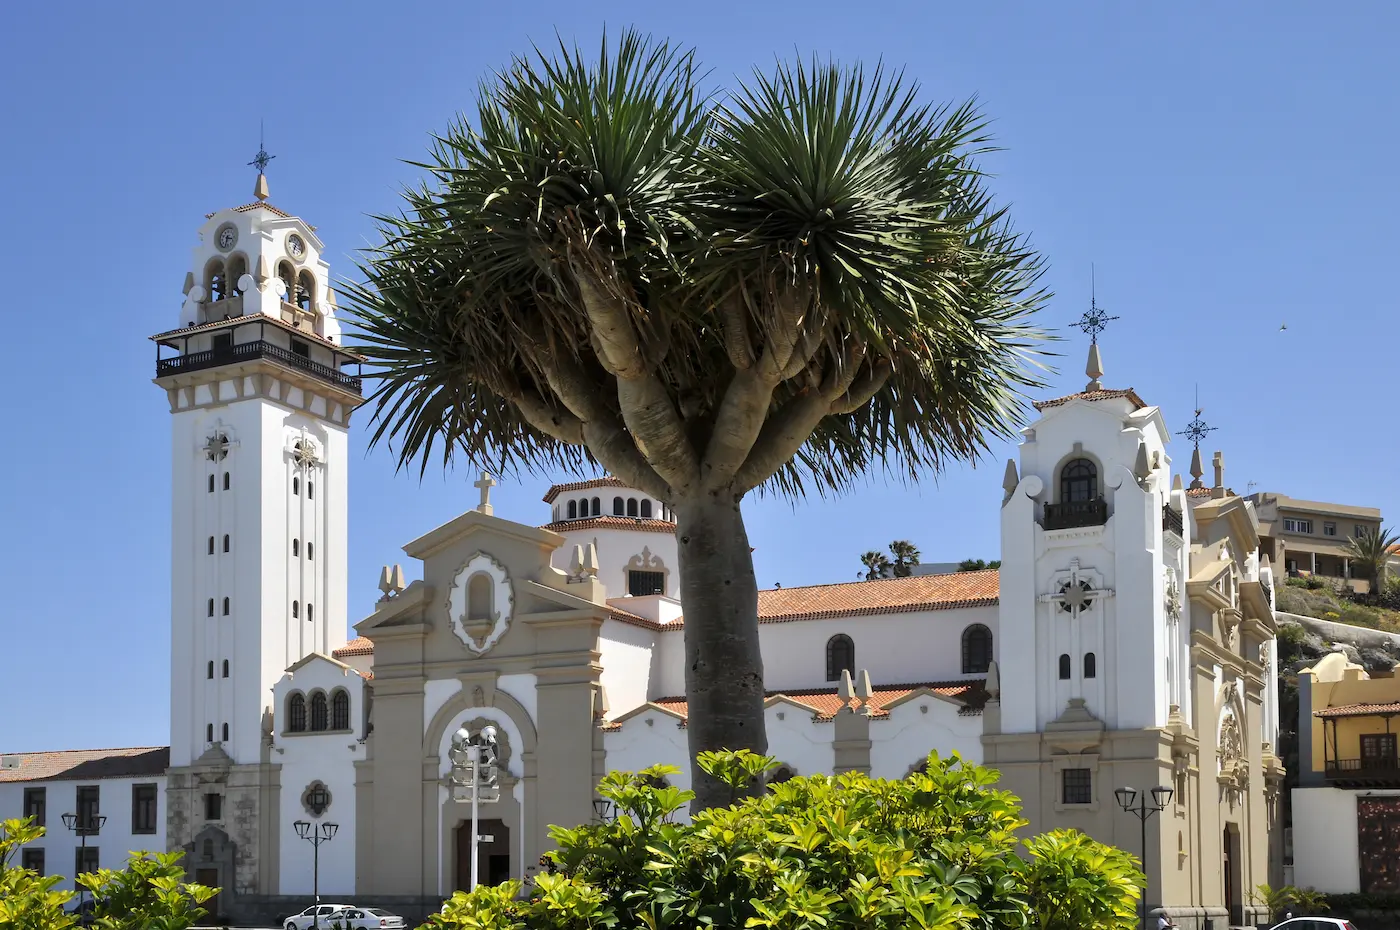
column 366, row 918
column 1314, row 923
column 320, row 914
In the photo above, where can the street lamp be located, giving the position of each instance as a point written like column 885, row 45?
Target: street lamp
column 84, row 827
column 1144, row 808
column 602, row 809
column 475, row 778
column 307, row 831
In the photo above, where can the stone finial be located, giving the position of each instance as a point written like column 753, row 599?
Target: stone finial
column 384, row 581
column 576, row 563
column 1142, row 468
column 396, row 582
column 1218, row 460
column 865, row 692
column 847, row 689
column 484, row 484
column 260, row 271
column 1176, row 482
column 1094, row 369
column 590, row 558
column 993, row 685
column 1010, row 480
column 1197, row 470
column 260, row 187
column 189, row 283
column 601, row 707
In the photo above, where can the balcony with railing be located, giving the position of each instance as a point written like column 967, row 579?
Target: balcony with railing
column 250, row 351
column 1172, row 522
column 1378, row 771
column 1075, row 513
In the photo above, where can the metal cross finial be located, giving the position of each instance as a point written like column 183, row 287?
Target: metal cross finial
column 1095, row 320
column 1197, row 429
column 261, row 159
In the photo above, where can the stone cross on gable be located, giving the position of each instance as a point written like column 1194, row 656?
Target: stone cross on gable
column 1077, row 594
column 485, row 483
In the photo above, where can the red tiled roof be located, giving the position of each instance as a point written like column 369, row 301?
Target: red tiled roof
column 1198, row 492
column 826, row 702
column 247, row 320
column 611, row 523
column 359, row 646
column 1358, row 710
column 637, row 620
column 1129, row 393
column 882, row 596
column 607, row 481
column 255, row 206
column 70, row 764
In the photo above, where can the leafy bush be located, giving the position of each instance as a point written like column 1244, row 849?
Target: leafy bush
column 935, row 850
column 1313, row 583
column 1287, row 900
column 148, row 894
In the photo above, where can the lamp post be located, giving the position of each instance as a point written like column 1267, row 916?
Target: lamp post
column 308, row 831
column 1143, row 808
column 83, row 826
column 475, row 778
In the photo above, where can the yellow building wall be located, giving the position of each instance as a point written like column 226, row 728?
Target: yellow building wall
column 1337, row 683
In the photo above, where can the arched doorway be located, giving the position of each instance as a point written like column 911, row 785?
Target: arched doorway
column 1230, row 860
column 493, row 854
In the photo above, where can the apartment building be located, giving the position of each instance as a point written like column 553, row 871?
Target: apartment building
column 1310, row 537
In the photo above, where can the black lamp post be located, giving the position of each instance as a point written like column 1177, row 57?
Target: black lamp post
column 307, row 831
column 84, row 827
column 1144, row 808
column 602, row 809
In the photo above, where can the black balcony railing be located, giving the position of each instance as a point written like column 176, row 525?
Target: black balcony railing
column 1076, row 513
column 1380, row 770
column 248, row 351
column 1172, row 522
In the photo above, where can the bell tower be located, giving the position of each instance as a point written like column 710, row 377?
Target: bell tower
column 260, row 403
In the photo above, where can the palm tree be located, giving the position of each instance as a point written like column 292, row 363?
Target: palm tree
column 1370, row 553
column 877, row 565
column 780, row 286
column 906, row 556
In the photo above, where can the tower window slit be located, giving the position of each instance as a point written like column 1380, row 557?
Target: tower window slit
column 1064, row 667
column 211, row 545
column 310, row 551
column 209, row 733
column 296, row 485
column 225, row 671
column 211, row 607
column 1091, row 665
column 310, row 611
column 296, row 609
column 225, row 481
column 224, row 734
column 225, row 607
column 209, row 673
column 225, row 542
column 310, row 489
column 211, row 484
column 296, row 548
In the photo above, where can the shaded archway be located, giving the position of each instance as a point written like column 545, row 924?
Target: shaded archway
column 493, row 854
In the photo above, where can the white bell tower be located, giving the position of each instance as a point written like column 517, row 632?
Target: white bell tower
column 260, row 402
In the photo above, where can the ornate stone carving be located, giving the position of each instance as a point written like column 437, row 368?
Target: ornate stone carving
column 304, row 453
column 1171, row 600
column 216, row 447
column 479, row 628
column 316, row 799
column 1074, row 593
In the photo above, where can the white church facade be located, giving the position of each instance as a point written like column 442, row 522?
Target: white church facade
column 1126, row 639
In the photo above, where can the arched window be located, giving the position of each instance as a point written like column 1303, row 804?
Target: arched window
column 597, row 507
column 225, row 607
column 211, row 484
column 1091, row 665
column 976, row 650
column 288, row 276
column 224, row 733
column 296, row 548
column 573, row 510
column 479, row 597
column 840, row 656
column 209, row 733
column 631, row 506
column 215, row 280
column 617, row 506
column 310, row 489
column 1064, row 666
column 310, row 551
column 646, row 510
column 210, row 672
column 225, row 542
column 310, row 611
column 296, row 610
column 306, row 290
column 237, row 268
column 211, row 545
column 1079, row 482
column 211, row 607
column 296, row 485
column 225, row 481
column 319, row 712
column 296, row 713
column 225, row 672
column 340, row 710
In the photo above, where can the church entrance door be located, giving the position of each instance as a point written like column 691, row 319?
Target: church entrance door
column 209, row 877
column 1231, row 865
column 493, row 854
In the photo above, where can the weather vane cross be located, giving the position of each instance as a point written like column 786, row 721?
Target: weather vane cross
column 1095, row 320
column 261, row 159
column 1197, row 429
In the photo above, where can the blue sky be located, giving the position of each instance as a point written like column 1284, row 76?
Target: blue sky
column 1227, row 169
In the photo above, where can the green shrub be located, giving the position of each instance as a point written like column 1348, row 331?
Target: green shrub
column 148, row 894
column 935, row 850
column 1313, row 583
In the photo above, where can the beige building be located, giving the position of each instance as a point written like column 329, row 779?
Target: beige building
column 1306, row 538
column 1346, row 808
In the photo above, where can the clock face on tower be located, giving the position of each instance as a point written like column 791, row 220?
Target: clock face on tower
column 226, row 238
column 296, row 246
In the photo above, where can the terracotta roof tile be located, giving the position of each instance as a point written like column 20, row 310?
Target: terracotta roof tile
column 248, row 207
column 359, row 646
column 637, row 620
column 1129, row 393
column 607, row 481
column 611, row 523
column 1357, row 710
column 826, row 702
column 886, row 595
column 250, row 318
column 71, row 764
column 1198, row 492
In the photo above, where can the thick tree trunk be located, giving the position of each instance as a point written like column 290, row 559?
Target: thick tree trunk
column 723, row 665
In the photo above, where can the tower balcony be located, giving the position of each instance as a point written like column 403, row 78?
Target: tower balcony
column 254, row 338
column 1172, row 522
column 1075, row 513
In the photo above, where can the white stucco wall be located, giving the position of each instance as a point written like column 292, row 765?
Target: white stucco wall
column 798, row 740
column 616, row 547
column 626, row 652
column 116, row 841
column 650, row 738
column 918, row 726
column 1325, row 853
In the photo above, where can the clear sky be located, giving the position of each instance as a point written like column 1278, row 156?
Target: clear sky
column 1227, row 168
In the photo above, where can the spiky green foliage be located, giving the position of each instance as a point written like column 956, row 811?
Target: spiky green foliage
column 905, row 557
column 877, row 565
column 1371, row 553
column 936, row 850
column 786, row 283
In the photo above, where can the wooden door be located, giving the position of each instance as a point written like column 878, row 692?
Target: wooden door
column 1378, row 844
column 209, row 877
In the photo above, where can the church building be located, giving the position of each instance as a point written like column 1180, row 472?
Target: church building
column 1126, row 640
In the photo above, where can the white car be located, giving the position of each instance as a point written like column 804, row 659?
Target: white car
column 320, row 914
column 366, row 918
column 1314, row 923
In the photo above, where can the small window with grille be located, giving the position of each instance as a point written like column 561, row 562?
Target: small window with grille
column 640, row 584
column 1077, row 786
